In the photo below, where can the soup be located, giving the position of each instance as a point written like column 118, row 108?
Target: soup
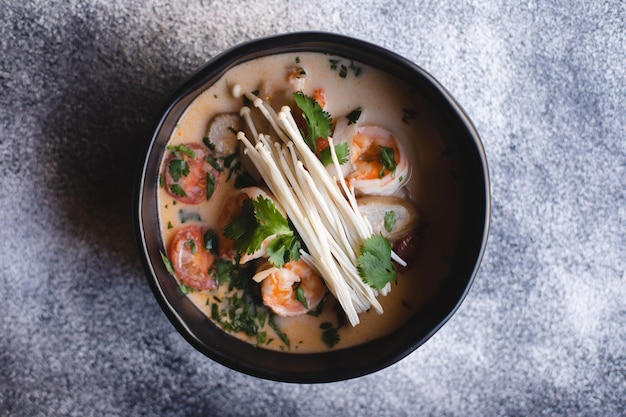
column 305, row 204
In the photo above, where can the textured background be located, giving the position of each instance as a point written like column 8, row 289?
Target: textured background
column 543, row 330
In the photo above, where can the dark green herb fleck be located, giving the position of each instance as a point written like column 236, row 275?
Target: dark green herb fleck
column 390, row 220
column 354, row 115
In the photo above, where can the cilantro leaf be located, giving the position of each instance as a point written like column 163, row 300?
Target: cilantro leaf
column 342, row 154
column 390, row 220
column 318, row 121
column 330, row 337
column 301, row 297
column 284, row 248
column 178, row 168
column 177, row 190
column 167, row 263
column 374, row 263
column 260, row 219
column 181, row 149
column 387, row 158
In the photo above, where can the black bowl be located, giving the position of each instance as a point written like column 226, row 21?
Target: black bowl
column 335, row 365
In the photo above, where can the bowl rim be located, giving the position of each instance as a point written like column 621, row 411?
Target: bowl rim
column 340, row 45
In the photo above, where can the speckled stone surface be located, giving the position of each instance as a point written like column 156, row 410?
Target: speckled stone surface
column 543, row 329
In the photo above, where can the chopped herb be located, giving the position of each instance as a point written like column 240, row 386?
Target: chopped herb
column 185, row 289
column 222, row 270
column 297, row 60
column 211, row 241
column 177, row 190
column 244, row 180
column 208, row 143
column 318, row 309
column 160, row 180
column 355, row 69
column 261, row 316
column 215, row 312
column 342, row 154
column 192, row 245
column 374, row 263
column 387, row 158
column 169, row 225
column 210, row 185
column 214, row 95
column 300, row 297
column 213, row 162
column 178, row 168
column 330, row 337
column 261, row 338
column 228, row 160
column 343, row 71
column 408, row 114
column 167, row 263
column 276, row 329
column 247, row 101
column 258, row 220
column 232, row 130
column 390, row 220
column 181, row 149
column 354, row 115
column 335, row 64
column 326, row 325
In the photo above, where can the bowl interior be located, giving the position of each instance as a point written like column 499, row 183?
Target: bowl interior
column 338, row 364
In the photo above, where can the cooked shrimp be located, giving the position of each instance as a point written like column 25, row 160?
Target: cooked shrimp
column 281, row 286
column 369, row 174
column 296, row 76
column 319, row 95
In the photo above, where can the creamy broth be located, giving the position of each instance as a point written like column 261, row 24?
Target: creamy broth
column 385, row 102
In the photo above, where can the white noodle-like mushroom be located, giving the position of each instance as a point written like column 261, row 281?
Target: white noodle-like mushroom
column 324, row 213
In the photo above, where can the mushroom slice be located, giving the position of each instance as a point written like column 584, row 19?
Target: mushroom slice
column 222, row 133
column 402, row 215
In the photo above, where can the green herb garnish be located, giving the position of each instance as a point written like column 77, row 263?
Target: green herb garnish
column 342, row 154
column 211, row 241
column 167, row 263
column 300, row 297
column 258, row 220
column 390, row 220
column 177, row 190
column 374, row 263
column 279, row 333
column 181, row 149
column 210, row 185
column 354, row 115
column 408, row 114
column 178, row 168
column 318, row 121
column 387, row 158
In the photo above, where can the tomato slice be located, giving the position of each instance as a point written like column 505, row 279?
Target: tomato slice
column 186, row 177
column 190, row 260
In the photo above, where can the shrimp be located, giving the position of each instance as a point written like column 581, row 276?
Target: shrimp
column 369, row 174
column 281, row 286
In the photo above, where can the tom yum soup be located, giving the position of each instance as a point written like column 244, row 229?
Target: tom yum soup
column 307, row 202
